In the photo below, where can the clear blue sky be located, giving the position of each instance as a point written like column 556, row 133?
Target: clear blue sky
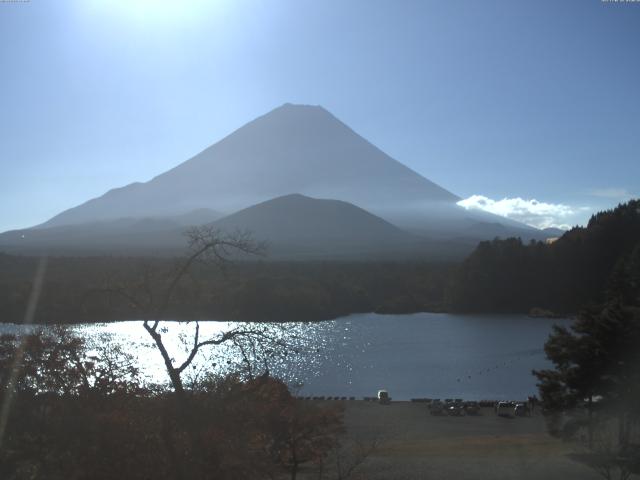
column 503, row 99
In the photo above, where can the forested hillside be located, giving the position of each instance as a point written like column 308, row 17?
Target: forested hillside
column 576, row 270
column 499, row 276
column 74, row 289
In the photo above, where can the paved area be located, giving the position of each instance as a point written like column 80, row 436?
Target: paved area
column 412, row 444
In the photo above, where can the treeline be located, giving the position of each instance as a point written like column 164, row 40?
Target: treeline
column 577, row 270
column 82, row 289
column 499, row 276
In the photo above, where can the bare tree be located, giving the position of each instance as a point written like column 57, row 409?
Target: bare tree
column 153, row 294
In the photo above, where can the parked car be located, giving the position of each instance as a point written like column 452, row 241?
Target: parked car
column 472, row 408
column 436, row 407
column 383, row 397
column 504, row 409
column 521, row 410
column 456, row 410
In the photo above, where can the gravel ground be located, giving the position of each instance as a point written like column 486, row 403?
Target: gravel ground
column 412, row 444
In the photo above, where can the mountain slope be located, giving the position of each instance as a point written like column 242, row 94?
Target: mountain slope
column 151, row 235
column 303, row 149
column 296, row 225
column 293, row 148
column 586, row 265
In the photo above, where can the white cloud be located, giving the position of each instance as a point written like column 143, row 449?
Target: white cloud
column 532, row 212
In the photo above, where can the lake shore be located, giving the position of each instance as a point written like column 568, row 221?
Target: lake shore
column 474, row 357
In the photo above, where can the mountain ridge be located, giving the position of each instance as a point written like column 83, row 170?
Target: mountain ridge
column 290, row 149
column 294, row 227
column 293, row 148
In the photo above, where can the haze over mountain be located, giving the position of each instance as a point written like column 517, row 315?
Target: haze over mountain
column 292, row 227
column 552, row 232
column 292, row 149
column 296, row 225
column 129, row 235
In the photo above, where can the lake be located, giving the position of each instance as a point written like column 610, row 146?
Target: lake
column 420, row 355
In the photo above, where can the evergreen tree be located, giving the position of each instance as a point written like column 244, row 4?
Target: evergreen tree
column 597, row 359
column 584, row 267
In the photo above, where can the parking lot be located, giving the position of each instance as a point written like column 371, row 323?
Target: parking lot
column 413, row 444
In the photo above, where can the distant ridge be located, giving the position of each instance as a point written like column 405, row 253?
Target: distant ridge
column 148, row 236
column 294, row 227
column 297, row 224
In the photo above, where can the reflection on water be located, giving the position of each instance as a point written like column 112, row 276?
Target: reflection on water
column 437, row 355
column 420, row 355
column 292, row 352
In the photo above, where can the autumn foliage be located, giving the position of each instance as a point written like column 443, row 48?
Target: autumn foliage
column 76, row 414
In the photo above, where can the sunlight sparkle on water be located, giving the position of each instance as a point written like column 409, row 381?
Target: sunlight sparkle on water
column 307, row 348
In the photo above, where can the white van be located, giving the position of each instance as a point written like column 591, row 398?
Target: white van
column 383, row 397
